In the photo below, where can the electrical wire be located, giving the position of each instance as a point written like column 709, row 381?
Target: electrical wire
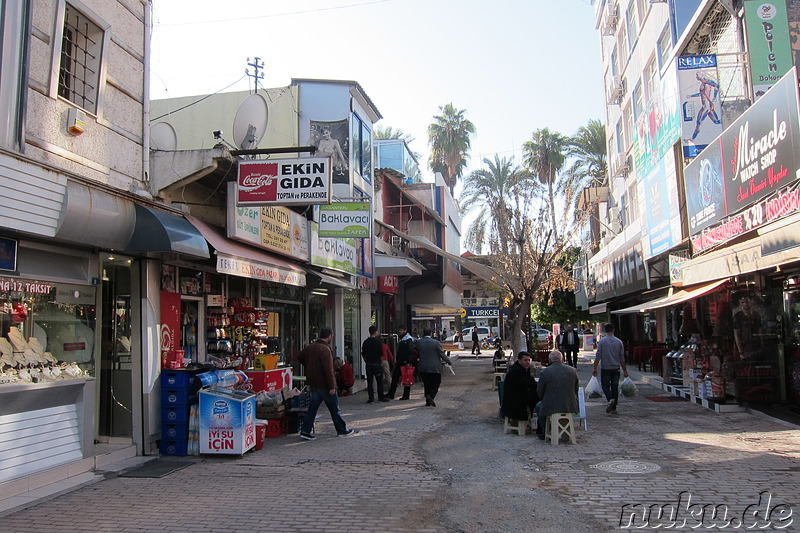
column 197, row 101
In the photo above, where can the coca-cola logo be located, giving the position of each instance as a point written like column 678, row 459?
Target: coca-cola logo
column 256, row 180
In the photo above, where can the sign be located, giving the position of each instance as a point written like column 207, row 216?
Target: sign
column 389, row 284
column 622, row 273
column 226, row 421
column 333, row 253
column 274, row 228
column 698, row 86
column 8, row 254
column 170, row 333
column 662, row 223
column 270, row 380
column 346, row 220
column 743, row 179
column 768, row 42
column 482, row 312
column 246, row 268
column 658, row 125
column 303, row 181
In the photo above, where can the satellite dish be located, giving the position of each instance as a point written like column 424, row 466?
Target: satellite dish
column 250, row 122
column 163, row 137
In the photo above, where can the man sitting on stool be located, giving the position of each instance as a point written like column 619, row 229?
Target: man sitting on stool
column 519, row 389
column 558, row 390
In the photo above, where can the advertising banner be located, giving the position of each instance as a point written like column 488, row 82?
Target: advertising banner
column 698, row 86
column 743, row 179
column 333, row 253
column 274, row 228
column 170, row 334
column 768, row 42
column 662, row 223
column 346, row 219
column 303, row 181
column 658, row 125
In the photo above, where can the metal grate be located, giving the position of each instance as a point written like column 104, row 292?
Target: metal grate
column 77, row 76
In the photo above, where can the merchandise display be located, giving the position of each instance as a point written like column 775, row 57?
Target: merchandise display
column 26, row 361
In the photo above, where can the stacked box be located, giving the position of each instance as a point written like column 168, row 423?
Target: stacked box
column 178, row 394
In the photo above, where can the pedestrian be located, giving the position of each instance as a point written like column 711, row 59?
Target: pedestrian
column 476, row 345
column 431, row 357
column 568, row 342
column 317, row 359
column 519, row 389
column 344, row 376
column 387, row 363
column 558, row 390
column 611, row 357
column 405, row 349
column 372, row 353
column 444, row 334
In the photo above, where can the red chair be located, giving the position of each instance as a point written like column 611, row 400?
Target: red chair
column 656, row 359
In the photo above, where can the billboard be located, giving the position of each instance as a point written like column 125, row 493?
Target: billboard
column 658, row 125
column 346, row 219
column 733, row 186
column 662, row 223
column 301, row 181
column 768, row 42
column 698, row 86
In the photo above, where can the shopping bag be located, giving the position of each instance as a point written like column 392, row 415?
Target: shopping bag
column 628, row 387
column 593, row 388
column 407, row 375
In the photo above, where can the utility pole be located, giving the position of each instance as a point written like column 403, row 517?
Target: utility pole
column 258, row 66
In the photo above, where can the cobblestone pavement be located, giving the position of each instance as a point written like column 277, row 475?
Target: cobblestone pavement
column 451, row 468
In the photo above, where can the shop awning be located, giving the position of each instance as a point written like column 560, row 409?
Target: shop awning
column 396, row 265
column 240, row 260
column 675, row 298
column 333, row 280
column 484, row 271
column 158, row 231
column 598, row 309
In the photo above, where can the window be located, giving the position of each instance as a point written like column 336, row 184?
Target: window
column 627, row 115
column 633, row 29
column 638, row 102
column 79, row 67
column 14, row 31
column 622, row 42
column 362, row 149
column 664, row 46
column 614, row 67
column 651, row 78
column 620, row 136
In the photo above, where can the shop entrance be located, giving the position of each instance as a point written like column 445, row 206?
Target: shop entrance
column 115, row 376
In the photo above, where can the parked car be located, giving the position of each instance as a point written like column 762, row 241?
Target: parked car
column 542, row 337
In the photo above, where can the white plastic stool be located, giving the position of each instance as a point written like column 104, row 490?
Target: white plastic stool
column 558, row 425
column 520, row 426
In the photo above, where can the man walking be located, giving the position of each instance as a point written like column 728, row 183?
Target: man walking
column 317, row 358
column 558, row 390
column 568, row 342
column 405, row 348
column 611, row 357
column 372, row 353
column 431, row 357
column 476, row 345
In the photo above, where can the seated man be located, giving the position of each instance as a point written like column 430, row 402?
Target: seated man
column 344, row 376
column 558, row 390
column 519, row 389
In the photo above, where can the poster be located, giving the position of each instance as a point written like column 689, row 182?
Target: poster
column 698, row 84
column 331, row 139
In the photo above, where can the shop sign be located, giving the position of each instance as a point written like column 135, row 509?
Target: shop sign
column 622, row 274
column 333, row 253
column 274, row 228
column 768, row 42
column 302, row 181
column 389, row 284
column 346, row 219
column 8, row 254
column 24, row 286
column 698, row 85
column 482, row 312
column 750, row 166
column 251, row 269
column 367, row 284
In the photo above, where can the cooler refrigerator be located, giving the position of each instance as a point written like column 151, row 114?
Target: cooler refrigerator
column 227, row 421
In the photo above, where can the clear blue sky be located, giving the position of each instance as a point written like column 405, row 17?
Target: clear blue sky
column 514, row 65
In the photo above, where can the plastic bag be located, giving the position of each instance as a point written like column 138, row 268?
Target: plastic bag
column 593, row 388
column 628, row 387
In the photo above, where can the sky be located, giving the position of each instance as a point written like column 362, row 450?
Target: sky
column 514, row 65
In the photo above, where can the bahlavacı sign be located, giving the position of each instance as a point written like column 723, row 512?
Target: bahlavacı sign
column 304, row 181
column 345, row 220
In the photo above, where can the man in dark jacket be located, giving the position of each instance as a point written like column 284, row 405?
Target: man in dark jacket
column 558, row 389
column 569, row 342
column 519, row 389
column 405, row 349
column 476, row 341
column 372, row 353
column 317, row 358
column 431, row 357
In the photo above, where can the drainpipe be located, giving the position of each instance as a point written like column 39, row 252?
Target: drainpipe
column 148, row 33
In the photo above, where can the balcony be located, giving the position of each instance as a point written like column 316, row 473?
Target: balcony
column 493, row 301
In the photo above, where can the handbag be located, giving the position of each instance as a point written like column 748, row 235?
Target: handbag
column 407, row 375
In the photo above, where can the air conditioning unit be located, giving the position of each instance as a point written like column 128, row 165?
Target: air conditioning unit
column 621, row 163
column 610, row 19
column 615, row 220
column 617, row 89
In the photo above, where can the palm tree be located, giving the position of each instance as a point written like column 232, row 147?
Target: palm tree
column 493, row 191
column 544, row 157
column 587, row 149
column 392, row 133
column 449, row 139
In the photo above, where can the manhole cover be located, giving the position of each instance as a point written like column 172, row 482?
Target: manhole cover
column 628, row 467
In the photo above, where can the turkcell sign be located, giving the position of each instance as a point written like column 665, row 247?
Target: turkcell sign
column 303, row 181
column 482, row 312
column 351, row 219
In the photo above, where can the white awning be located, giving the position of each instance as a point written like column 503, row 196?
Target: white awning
column 396, row 265
column 671, row 299
column 597, row 309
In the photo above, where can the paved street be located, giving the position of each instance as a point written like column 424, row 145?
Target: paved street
column 451, row 468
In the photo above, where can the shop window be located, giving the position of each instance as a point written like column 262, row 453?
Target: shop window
column 81, row 55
